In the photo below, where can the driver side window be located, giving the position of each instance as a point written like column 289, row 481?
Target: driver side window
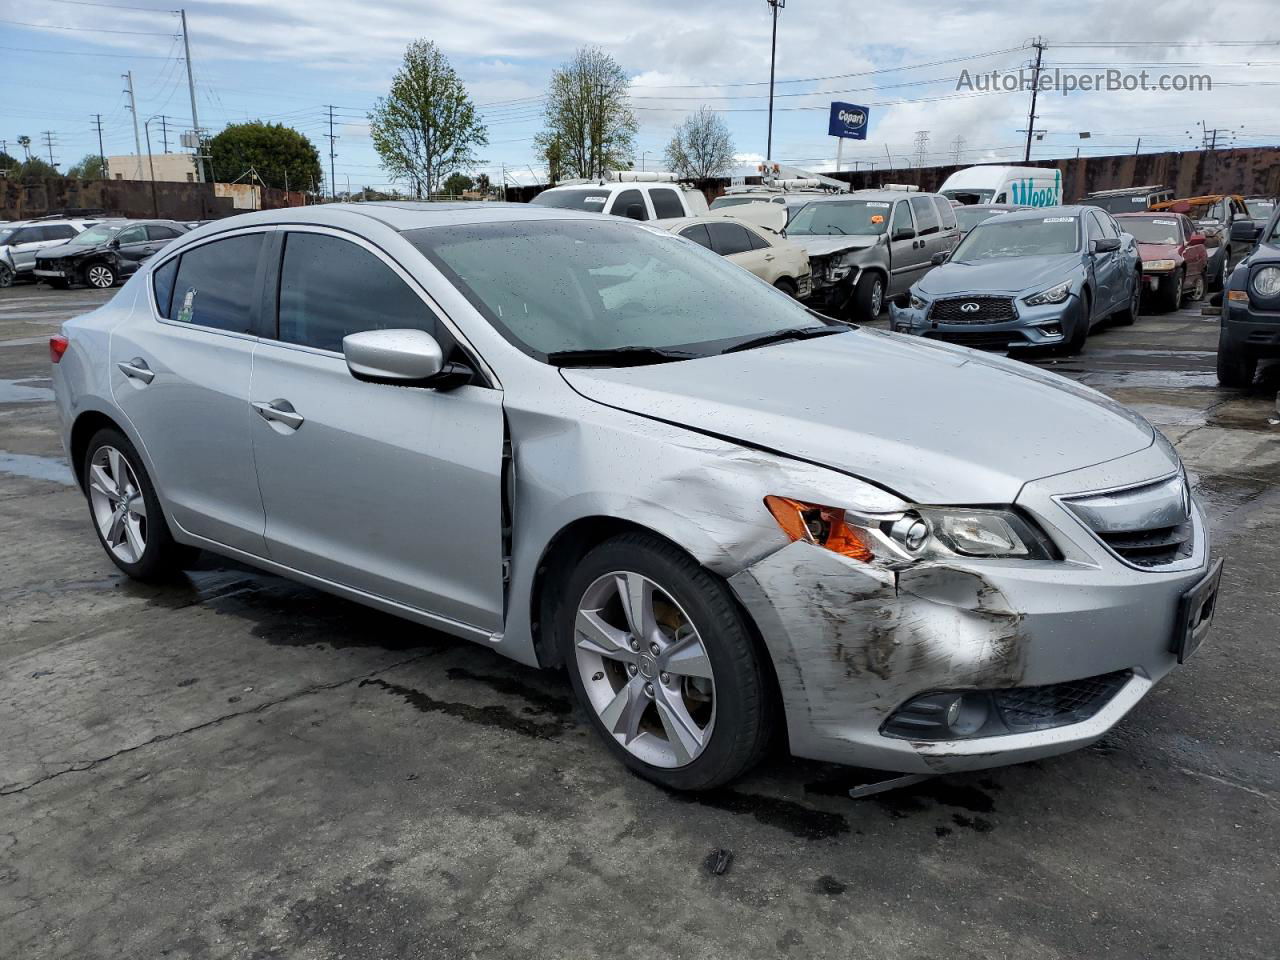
column 1094, row 227
column 132, row 235
column 901, row 218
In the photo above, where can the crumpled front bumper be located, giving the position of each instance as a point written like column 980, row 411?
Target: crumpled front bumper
column 852, row 642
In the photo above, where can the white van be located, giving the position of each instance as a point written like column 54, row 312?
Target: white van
column 638, row 194
column 1027, row 186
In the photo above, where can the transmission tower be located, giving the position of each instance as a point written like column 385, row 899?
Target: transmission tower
column 957, row 148
column 922, row 142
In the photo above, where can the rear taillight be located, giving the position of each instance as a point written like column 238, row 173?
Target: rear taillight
column 57, row 347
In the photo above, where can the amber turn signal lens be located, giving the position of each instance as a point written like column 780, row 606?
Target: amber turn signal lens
column 814, row 523
column 1240, row 296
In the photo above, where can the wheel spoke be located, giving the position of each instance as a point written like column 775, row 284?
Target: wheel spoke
column 622, row 715
column 682, row 733
column 115, row 527
column 133, row 534
column 113, row 467
column 636, row 595
column 596, row 636
column 102, row 481
column 686, row 658
column 138, row 507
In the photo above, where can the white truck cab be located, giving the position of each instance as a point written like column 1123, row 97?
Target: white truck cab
column 638, row 194
column 1024, row 186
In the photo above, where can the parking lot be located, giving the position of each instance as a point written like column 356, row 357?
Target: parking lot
column 236, row 766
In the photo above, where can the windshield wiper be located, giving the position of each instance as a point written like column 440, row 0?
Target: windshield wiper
column 778, row 336
column 615, row 357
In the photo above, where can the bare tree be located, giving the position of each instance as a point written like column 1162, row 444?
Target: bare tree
column 590, row 126
column 701, row 146
column 426, row 128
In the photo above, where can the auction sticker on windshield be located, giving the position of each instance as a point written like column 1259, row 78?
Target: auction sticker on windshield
column 1059, row 219
column 1166, row 223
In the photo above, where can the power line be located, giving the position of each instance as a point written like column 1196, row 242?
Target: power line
column 51, row 26
column 86, row 53
column 111, row 6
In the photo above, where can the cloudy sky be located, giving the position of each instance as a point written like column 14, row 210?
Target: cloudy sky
column 287, row 60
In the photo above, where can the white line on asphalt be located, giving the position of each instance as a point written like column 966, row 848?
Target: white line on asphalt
column 24, row 342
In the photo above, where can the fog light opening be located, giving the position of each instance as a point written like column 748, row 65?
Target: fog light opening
column 967, row 714
column 1052, row 329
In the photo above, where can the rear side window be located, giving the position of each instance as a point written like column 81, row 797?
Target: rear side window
column 62, row 231
column 215, row 284
column 29, row 235
column 757, row 242
column 132, row 235
column 330, row 287
column 926, row 215
column 157, row 232
column 666, row 204
column 946, row 212
column 728, row 238
column 698, row 234
column 162, row 281
column 625, row 201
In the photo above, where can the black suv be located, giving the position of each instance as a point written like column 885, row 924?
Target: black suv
column 105, row 253
column 1250, row 310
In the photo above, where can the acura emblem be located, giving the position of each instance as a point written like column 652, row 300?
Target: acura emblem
column 969, row 308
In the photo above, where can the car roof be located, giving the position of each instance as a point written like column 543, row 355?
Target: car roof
column 996, row 207
column 874, row 195
column 677, row 223
column 1033, row 213
column 1147, row 215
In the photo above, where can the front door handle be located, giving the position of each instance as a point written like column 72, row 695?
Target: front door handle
column 279, row 411
column 137, row 369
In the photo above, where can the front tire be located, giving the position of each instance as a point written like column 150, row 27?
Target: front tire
column 868, row 298
column 1081, row 331
column 664, row 663
column 101, row 276
column 787, row 286
column 125, row 511
column 1171, row 298
column 6, row 276
column 1235, row 367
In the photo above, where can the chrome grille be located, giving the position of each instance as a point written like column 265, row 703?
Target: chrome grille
column 1147, row 526
column 973, row 310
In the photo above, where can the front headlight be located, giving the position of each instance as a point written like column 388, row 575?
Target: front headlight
column 838, row 271
column 1052, row 295
column 1266, row 282
column 921, row 533
column 917, row 303
column 1150, row 265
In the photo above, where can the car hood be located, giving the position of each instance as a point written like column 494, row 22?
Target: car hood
column 1159, row 251
column 822, row 245
column 931, row 422
column 998, row 275
column 65, row 249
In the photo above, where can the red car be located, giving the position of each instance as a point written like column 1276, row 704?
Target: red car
column 1174, row 258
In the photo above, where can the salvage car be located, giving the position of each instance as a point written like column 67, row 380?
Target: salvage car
column 1214, row 215
column 636, row 194
column 867, row 246
column 1250, row 311
column 1174, row 259
column 1032, row 279
column 581, row 442
column 1128, row 199
column 20, row 243
column 771, row 257
column 106, row 253
column 970, row 215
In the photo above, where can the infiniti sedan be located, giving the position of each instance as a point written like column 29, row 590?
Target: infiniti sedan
column 588, row 444
column 1037, row 278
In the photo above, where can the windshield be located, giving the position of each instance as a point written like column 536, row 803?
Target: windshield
column 1155, row 230
column 848, row 217
column 569, row 285
column 970, row 217
column 1259, row 209
column 5, row 234
column 1031, row 237
column 590, row 199
column 94, row 235
column 969, row 196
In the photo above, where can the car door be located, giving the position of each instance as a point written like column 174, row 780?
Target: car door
column 158, row 236
column 629, row 203
column 949, row 236
column 732, row 242
column 23, row 246
column 394, row 491
column 1195, row 254
column 180, row 368
column 907, row 259
column 667, row 204
column 1105, row 272
column 133, row 246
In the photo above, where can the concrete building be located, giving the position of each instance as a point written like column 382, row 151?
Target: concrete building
column 169, row 167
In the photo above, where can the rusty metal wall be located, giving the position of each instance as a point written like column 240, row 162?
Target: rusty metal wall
column 128, row 198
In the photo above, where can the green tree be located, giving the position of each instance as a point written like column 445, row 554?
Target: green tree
column 701, row 146
column 25, row 143
column 9, row 163
column 457, row 183
column 90, row 167
column 590, row 126
column 426, row 128
column 281, row 155
column 36, row 169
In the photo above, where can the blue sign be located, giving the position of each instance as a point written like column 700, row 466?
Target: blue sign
column 848, row 120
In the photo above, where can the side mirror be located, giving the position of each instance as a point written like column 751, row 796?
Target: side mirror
column 1246, row 231
column 406, row 358
column 1195, row 240
column 904, row 233
column 114, row 243
column 1106, row 245
column 938, row 259
column 634, row 211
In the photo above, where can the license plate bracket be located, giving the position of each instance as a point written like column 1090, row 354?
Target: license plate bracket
column 1195, row 613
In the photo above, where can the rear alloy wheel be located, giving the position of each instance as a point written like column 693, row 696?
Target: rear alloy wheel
column 663, row 661
column 100, row 275
column 1126, row 317
column 6, row 276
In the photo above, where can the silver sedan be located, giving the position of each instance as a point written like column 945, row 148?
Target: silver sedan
column 587, row 444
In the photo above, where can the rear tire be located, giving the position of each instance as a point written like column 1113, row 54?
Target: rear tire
column 1129, row 313
column 787, row 286
column 1235, row 367
column 639, row 698
column 125, row 511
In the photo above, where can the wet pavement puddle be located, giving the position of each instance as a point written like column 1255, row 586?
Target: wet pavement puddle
column 36, row 468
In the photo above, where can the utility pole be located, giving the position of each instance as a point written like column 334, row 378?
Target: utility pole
column 1039, row 44
column 191, row 88
column 48, row 145
column 133, row 109
column 775, row 5
column 164, row 132
column 333, row 180
column 102, row 157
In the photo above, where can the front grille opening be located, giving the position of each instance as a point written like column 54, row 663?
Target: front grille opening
column 1058, row 704
column 1152, row 548
column 1148, row 526
column 962, row 310
column 978, row 341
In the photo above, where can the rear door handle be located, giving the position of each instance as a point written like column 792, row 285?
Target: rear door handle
column 279, row 411
column 137, row 369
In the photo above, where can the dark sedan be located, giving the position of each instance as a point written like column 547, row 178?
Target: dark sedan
column 106, row 253
column 1032, row 278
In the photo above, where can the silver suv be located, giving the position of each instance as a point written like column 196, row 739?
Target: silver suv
column 871, row 245
column 20, row 241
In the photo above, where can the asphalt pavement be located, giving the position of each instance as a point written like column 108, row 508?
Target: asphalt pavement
column 236, row 766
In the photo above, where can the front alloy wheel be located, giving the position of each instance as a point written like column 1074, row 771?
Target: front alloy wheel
column 6, row 275
column 100, row 275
